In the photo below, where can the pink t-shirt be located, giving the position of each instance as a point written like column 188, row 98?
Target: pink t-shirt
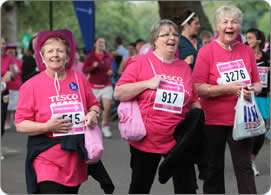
column 35, row 97
column 98, row 75
column 6, row 61
column 160, row 124
column 17, row 82
column 213, row 62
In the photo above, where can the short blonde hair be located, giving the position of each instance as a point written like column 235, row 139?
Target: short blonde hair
column 155, row 30
column 50, row 40
column 228, row 10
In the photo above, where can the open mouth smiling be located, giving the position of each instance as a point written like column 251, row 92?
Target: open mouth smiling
column 171, row 44
column 229, row 33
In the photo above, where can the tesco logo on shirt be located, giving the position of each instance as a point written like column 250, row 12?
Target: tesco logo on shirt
column 62, row 98
column 175, row 79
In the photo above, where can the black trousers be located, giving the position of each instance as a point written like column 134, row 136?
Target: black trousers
column 144, row 167
column 217, row 136
column 4, row 109
column 258, row 142
column 50, row 187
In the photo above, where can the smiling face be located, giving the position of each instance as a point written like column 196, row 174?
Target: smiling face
column 100, row 44
column 252, row 40
column 228, row 19
column 167, row 40
column 54, row 54
column 228, row 28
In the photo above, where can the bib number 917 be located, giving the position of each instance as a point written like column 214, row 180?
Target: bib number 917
column 169, row 98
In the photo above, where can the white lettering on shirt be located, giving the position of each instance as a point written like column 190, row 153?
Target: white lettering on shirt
column 64, row 98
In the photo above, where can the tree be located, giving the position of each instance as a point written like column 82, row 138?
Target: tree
column 256, row 13
column 169, row 9
column 9, row 21
column 112, row 18
column 126, row 19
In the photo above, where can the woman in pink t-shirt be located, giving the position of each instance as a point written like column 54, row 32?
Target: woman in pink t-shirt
column 162, row 85
column 8, row 74
column 98, row 68
column 53, row 108
column 222, row 68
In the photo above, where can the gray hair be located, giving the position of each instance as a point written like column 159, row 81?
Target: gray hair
column 228, row 10
column 155, row 30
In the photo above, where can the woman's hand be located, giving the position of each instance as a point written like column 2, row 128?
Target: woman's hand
column 95, row 64
column 91, row 118
column 189, row 59
column 58, row 124
column 7, row 76
column 109, row 73
column 234, row 88
column 129, row 91
column 153, row 83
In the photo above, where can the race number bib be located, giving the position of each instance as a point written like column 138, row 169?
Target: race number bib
column 169, row 97
column 72, row 111
column 263, row 73
column 233, row 71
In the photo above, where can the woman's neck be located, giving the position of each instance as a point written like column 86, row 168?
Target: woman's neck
column 164, row 58
column 61, row 74
column 98, row 51
column 226, row 46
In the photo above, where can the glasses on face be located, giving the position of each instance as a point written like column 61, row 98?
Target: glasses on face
column 167, row 35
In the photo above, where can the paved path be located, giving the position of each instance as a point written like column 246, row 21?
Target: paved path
column 116, row 159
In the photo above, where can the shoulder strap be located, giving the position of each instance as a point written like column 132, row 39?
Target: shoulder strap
column 152, row 67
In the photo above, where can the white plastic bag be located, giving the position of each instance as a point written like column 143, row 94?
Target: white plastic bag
column 248, row 121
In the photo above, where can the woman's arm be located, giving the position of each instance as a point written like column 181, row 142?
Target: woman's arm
column 92, row 116
column 128, row 91
column 56, row 124
column 209, row 91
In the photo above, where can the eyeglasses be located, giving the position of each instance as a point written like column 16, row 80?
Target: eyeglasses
column 167, row 35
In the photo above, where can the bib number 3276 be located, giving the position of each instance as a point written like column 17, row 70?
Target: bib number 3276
column 233, row 71
column 235, row 75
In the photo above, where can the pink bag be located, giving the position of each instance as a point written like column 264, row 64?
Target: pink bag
column 131, row 125
column 94, row 144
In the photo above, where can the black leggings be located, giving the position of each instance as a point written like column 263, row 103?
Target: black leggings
column 258, row 142
column 217, row 136
column 144, row 167
column 50, row 187
column 4, row 109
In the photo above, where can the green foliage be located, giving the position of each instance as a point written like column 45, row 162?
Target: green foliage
column 33, row 17
column 128, row 19
column 256, row 13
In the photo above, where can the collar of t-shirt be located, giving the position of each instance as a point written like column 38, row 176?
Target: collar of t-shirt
column 100, row 56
